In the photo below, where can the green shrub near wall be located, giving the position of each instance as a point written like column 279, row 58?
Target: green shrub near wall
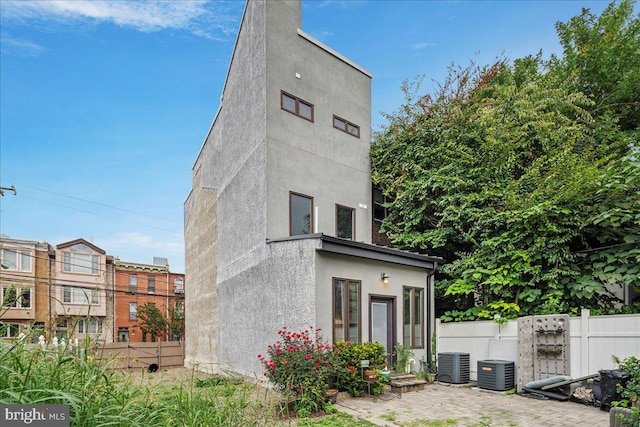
column 347, row 357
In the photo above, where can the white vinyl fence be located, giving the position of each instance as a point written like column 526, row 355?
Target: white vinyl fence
column 593, row 341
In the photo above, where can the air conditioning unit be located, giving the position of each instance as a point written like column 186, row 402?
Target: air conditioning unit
column 498, row 375
column 453, row 368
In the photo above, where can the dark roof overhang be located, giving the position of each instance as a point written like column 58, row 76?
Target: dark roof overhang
column 337, row 245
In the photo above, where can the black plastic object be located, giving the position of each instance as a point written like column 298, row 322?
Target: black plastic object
column 609, row 380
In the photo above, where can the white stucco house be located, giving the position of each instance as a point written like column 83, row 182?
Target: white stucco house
column 278, row 222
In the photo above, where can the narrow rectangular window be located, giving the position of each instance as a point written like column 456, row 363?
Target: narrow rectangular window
column 346, row 126
column 300, row 214
column 178, row 285
column 25, row 261
column 345, row 220
column 151, row 284
column 296, row 106
column 95, row 264
column 133, row 311
column 66, row 297
column 95, row 298
column 346, row 310
column 66, row 261
column 25, row 298
column 10, row 259
column 81, row 326
column 9, row 297
column 133, row 283
column 413, row 317
column 379, row 209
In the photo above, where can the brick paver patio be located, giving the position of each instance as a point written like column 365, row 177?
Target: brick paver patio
column 471, row 407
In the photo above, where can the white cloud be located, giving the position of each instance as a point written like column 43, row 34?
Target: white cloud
column 197, row 16
column 20, row 47
column 420, row 46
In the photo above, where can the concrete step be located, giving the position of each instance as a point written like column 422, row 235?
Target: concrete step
column 402, row 383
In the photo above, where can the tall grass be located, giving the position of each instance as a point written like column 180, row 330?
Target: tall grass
column 100, row 396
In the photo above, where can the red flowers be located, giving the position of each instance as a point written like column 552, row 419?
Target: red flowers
column 351, row 368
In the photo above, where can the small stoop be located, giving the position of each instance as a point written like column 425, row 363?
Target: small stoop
column 402, row 383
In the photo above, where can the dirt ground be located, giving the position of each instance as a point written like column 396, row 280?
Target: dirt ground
column 173, row 376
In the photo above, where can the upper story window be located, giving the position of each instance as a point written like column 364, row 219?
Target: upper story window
column 79, row 259
column 133, row 311
column 379, row 200
column 178, row 285
column 345, row 220
column 16, row 260
column 296, row 106
column 133, row 283
column 346, row 126
column 78, row 295
column 300, row 214
column 13, row 297
column 151, row 284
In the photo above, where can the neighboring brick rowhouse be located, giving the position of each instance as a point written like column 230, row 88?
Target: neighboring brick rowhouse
column 138, row 284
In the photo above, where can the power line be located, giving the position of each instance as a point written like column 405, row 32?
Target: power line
column 100, row 271
column 89, row 286
column 99, row 203
column 100, row 214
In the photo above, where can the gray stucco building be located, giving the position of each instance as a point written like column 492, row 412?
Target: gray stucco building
column 278, row 223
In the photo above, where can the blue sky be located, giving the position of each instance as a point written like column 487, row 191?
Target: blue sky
column 104, row 105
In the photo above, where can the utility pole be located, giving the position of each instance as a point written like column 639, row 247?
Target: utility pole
column 12, row 189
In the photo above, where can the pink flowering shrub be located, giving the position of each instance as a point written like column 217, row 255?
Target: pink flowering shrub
column 298, row 366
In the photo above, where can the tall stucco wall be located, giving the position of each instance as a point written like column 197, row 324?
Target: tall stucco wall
column 314, row 158
column 201, row 300
column 257, row 302
column 225, row 212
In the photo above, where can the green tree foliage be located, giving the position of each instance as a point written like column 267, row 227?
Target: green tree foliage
column 523, row 176
column 176, row 322
column 152, row 321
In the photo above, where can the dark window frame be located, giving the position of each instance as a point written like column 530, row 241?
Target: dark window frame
column 345, row 128
column 151, row 289
column 297, row 109
column 353, row 221
column 345, row 308
column 311, row 217
column 412, row 314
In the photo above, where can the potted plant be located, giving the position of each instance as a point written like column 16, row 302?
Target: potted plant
column 403, row 354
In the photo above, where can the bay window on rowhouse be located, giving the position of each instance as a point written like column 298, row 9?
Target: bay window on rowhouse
column 413, row 315
column 347, row 324
column 78, row 295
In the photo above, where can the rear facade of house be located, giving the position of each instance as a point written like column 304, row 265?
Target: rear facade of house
column 278, row 223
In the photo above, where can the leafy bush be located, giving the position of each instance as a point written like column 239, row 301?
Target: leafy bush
column 630, row 392
column 298, row 366
column 346, row 360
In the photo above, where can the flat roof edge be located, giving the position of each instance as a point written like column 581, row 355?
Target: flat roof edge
column 333, row 52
